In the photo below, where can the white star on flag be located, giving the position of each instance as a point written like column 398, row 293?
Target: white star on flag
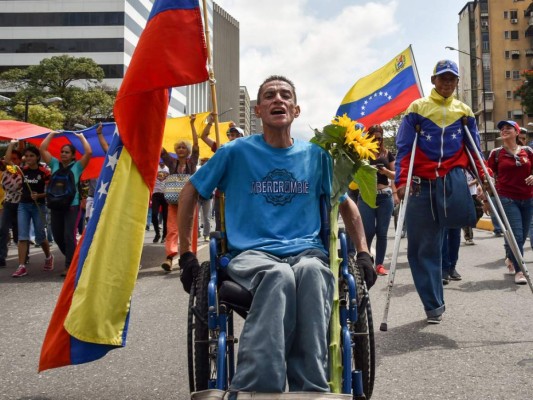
column 112, row 160
column 103, row 189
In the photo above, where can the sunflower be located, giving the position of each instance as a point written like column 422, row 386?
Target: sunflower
column 350, row 151
column 11, row 169
column 364, row 146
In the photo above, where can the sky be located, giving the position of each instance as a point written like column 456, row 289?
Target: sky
column 324, row 47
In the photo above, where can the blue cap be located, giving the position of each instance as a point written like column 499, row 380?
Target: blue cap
column 501, row 124
column 444, row 66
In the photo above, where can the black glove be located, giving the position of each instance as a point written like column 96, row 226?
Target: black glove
column 189, row 267
column 366, row 266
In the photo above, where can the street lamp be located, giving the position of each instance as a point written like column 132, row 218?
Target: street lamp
column 222, row 113
column 482, row 89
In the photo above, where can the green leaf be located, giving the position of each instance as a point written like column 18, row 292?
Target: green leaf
column 365, row 177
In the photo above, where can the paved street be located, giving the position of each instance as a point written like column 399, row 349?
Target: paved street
column 483, row 349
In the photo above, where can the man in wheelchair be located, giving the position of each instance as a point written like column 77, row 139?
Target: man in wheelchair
column 273, row 184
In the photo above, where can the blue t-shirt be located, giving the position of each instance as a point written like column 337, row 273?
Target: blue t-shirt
column 76, row 169
column 272, row 195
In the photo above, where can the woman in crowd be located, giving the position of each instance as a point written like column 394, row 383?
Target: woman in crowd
column 187, row 159
column 32, row 208
column 65, row 221
column 376, row 220
column 512, row 166
column 12, row 185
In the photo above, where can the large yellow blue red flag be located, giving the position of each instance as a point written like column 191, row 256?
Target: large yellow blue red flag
column 384, row 93
column 92, row 312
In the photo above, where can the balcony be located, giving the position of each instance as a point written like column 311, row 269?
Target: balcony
column 529, row 53
column 515, row 54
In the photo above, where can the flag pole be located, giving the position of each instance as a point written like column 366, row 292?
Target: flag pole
column 212, row 80
column 417, row 76
column 212, row 85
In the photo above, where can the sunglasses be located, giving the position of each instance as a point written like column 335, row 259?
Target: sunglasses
column 517, row 160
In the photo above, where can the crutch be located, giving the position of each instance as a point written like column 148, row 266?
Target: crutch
column 398, row 234
column 500, row 214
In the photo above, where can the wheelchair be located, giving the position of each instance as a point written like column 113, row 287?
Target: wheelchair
column 215, row 299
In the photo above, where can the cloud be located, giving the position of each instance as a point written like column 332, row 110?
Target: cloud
column 323, row 56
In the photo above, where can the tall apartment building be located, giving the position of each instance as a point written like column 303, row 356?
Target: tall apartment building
column 106, row 31
column 495, row 47
column 256, row 125
column 225, row 64
column 244, row 110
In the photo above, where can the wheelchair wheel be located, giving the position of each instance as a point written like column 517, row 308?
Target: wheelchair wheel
column 363, row 333
column 197, row 332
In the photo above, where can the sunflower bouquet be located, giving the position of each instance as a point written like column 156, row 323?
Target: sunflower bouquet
column 350, row 151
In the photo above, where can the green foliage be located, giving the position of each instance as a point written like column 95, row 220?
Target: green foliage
column 347, row 165
column 78, row 81
column 525, row 91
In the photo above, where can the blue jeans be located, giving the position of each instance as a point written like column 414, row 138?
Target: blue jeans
column 494, row 220
column 450, row 249
column 518, row 213
column 28, row 212
column 376, row 222
column 284, row 338
column 424, row 246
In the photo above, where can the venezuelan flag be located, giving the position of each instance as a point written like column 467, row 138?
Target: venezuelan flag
column 178, row 129
column 384, row 93
column 92, row 312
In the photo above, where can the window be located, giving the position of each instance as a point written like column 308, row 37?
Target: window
column 61, row 45
column 509, row 94
column 506, row 35
column 61, row 19
column 505, row 14
column 507, row 54
column 507, row 74
column 516, row 75
column 514, row 35
column 513, row 14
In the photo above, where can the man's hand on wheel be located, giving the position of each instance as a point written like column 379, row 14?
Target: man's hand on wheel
column 366, row 264
column 189, row 267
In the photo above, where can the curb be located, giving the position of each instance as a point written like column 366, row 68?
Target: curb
column 485, row 224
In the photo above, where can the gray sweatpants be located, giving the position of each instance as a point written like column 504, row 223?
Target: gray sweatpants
column 285, row 334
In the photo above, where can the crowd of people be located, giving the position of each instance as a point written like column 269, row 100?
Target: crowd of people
column 272, row 256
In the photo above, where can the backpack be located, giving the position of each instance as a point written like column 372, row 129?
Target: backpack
column 61, row 189
column 498, row 150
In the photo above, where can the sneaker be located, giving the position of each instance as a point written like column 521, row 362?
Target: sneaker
column 497, row 234
column 510, row 266
column 156, row 238
column 380, row 270
column 49, row 263
column 206, row 238
column 167, row 264
column 469, row 242
column 21, row 271
column 455, row 276
column 163, row 239
column 445, row 278
column 520, row 279
column 435, row 320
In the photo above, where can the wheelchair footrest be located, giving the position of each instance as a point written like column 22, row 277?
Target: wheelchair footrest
column 215, row 394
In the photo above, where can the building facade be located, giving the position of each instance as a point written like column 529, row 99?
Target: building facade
column 105, row 31
column 495, row 48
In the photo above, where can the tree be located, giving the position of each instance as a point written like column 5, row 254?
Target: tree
column 78, row 81
column 390, row 129
column 525, row 91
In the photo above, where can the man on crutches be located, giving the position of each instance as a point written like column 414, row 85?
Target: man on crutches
column 439, row 197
